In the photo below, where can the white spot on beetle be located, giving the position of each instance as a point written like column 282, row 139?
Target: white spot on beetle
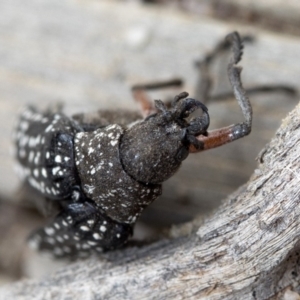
column 49, row 128
column 31, row 156
column 91, row 150
column 84, row 228
column 97, row 236
column 36, row 172
column 59, row 239
column 55, row 170
column 79, row 135
column 102, row 228
column 56, row 225
column 69, row 219
column 92, row 243
column 49, row 230
column 64, row 223
column 89, row 188
column 58, row 159
column 44, row 172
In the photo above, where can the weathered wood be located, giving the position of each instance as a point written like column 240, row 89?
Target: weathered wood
column 276, row 15
column 247, row 249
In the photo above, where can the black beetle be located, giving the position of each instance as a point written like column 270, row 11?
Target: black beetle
column 104, row 173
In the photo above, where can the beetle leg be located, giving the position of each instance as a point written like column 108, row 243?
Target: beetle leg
column 146, row 104
column 228, row 134
column 79, row 230
column 257, row 90
column 140, row 94
column 205, row 81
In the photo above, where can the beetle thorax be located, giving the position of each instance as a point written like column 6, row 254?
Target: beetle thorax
column 103, row 178
column 151, row 153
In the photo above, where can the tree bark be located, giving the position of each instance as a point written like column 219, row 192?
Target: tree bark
column 247, row 249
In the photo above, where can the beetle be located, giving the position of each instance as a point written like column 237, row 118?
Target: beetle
column 103, row 172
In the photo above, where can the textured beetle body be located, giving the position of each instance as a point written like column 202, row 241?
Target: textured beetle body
column 104, row 169
column 50, row 150
column 102, row 176
column 45, row 151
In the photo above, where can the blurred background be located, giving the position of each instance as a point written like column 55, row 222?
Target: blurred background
column 87, row 54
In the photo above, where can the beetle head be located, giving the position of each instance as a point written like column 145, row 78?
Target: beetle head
column 152, row 150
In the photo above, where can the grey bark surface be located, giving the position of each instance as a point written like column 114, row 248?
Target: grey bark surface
column 247, row 249
column 276, row 15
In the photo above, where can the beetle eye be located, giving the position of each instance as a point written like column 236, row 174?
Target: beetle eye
column 182, row 153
